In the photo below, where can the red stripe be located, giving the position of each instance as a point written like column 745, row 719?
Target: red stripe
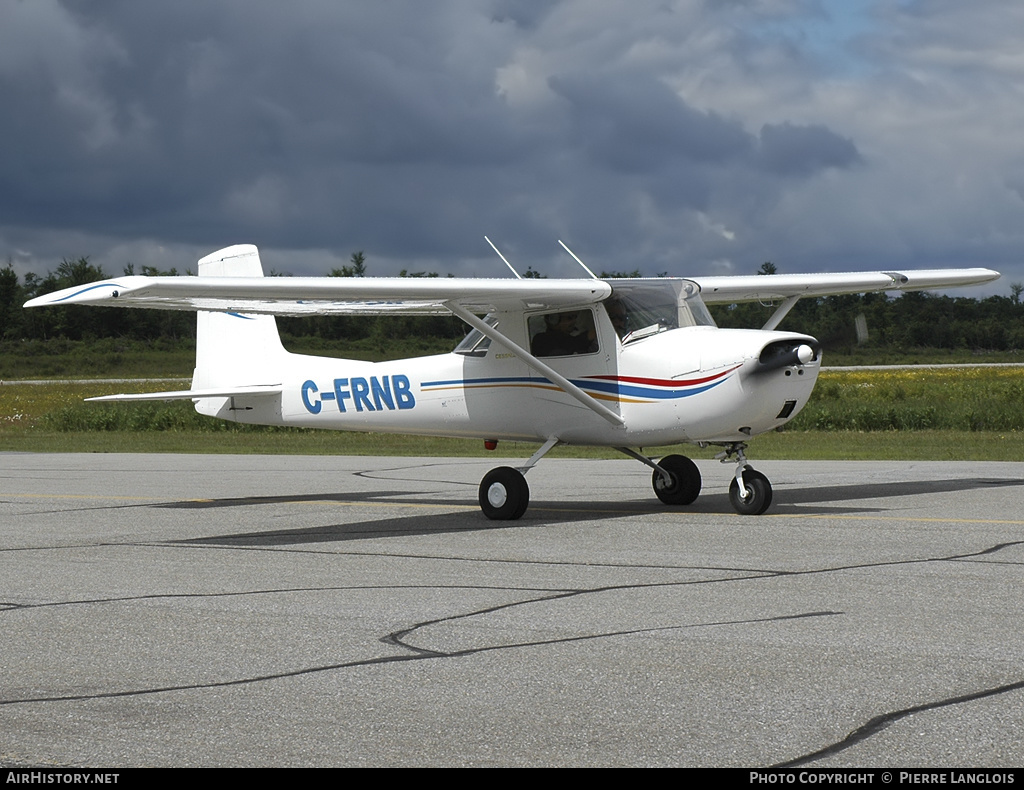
column 662, row 382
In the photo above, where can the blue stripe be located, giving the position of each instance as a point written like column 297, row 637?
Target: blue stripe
column 464, row 382
column 86, row 290
column 610, row 387
column 645, row 392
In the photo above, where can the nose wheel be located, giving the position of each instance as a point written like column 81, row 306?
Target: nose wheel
column 750, row 493
column 756, row 496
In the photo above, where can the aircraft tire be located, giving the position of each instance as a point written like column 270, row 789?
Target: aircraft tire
column 504, row 494
column 759, row 494
column 685, row 485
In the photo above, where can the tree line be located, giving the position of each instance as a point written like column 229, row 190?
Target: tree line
column 910, row 320
column 915, row 319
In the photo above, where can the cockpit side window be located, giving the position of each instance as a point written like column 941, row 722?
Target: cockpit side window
column 562, row 334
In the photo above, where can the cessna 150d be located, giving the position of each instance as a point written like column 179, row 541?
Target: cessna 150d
column 619, row 363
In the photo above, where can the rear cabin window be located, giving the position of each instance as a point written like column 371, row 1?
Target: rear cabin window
column 476, row 343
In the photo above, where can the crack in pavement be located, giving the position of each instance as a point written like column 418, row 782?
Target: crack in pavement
column 878, row 723
column 400, row 638
column 418, row 655
column 395, row 638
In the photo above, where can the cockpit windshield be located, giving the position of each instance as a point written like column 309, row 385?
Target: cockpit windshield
column 640, row 308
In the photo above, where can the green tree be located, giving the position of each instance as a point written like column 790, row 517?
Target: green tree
column 620, row 275
column 407, row 273
column 357, row 269
column 73, row 322
column 10, row 303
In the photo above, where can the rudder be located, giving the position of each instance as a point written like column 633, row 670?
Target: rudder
column 235, row 349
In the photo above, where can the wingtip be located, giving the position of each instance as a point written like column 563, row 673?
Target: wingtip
column 89, row 293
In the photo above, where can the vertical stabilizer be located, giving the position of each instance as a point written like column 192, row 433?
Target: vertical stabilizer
column 235, row 349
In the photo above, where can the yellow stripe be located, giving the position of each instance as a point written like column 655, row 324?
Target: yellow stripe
column 548, row 387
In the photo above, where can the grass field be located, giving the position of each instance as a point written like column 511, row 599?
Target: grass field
column 961, row 399
column 921, row 413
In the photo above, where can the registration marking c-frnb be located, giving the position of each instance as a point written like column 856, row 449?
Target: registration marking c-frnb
column 369, row 393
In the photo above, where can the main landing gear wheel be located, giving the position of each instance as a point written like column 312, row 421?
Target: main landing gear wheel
column 504, row 494
column 684, row 486
column 759, row 494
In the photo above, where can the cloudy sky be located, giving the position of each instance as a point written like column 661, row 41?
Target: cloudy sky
column 678, row 136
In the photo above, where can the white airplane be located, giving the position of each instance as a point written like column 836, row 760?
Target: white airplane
column 623, row 363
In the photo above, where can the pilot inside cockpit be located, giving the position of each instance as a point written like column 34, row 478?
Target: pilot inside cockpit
column 617, row 313
column 563, row 334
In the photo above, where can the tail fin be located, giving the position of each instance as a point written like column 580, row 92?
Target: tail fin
column 232, row 349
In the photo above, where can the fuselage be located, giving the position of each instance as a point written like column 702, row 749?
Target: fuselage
column 684, row 384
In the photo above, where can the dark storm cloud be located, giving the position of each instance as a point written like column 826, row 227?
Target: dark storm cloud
column 298, row 126
column 247, row 117
column 636, row 126
column 636, row 123
column 525, row 13
column 787, row 149
column 696, row 136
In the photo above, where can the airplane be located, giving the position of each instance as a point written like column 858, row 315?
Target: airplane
column 621, row 363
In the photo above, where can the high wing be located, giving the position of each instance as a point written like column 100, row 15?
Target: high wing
column 753, row 288
column 297, row 296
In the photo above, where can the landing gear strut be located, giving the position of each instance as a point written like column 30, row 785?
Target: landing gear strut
column 504, row 493
column 676, row 479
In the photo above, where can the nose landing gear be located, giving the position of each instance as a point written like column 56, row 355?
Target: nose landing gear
column 750, row 493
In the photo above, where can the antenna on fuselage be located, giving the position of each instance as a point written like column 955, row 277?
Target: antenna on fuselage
column 575, row 258
column 518, row 276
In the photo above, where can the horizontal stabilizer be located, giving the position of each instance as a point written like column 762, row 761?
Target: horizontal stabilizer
column 234, row 392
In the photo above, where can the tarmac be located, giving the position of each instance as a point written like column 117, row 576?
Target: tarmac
column 194, row 610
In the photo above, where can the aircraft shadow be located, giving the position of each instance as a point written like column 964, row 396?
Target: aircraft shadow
column 545, row 513
column 377, row 497
column 466, row 519
column 794, row 500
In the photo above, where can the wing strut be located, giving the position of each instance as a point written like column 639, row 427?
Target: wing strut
column 555, row 377
column 781, row 312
